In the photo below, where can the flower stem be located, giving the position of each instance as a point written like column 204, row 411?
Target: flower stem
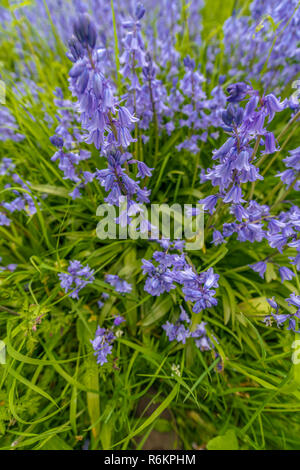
column 117, row 58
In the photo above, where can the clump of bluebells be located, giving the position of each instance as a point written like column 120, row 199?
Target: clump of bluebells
column 119, row 105
column 119, row 284
column 181, row 330
column 111, row 134
column 291, row 176
column 238, row 164
column 106, row 120
column 236, row 158
column 287, row 319
column 270, row 42
column 110, row 126
column 77, row 277
column 16, row 200
column 67, row 140
column 8, row 126
column 104, row 339
column 168, row 269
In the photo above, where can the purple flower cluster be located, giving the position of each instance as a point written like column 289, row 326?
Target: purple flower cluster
column 101, row 115
column 199, row 114
column 291, row 176
column 23, row 202
column 102, row 344
column 117, row 183
column 167, row 90
column 77, row 277
column 133, row 56
column 166, row 270
column 8, row 126
column 119, row 284
column 9, row 267
column 265, row 35
column 104, row 297
column 199, row 288
column 106, row 121
column 104, row 339
column 283, row 318
column 66, row 142
column 180, row 331
column 237, row 156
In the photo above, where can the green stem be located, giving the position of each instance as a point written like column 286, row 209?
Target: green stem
column 155, row 124
column 117, row 58
column 288, row 125
column 251, row 192
column 282, row 198
column 274, row 191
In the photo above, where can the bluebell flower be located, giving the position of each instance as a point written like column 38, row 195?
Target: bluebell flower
column 119, row 284
column 85, row 30
column 139, row 11
column 77, row 277
column 218, row 238
column 143, row 170
column 88, row 176
column 286, row 274
column 270, row 143
column 159, row 280
column 11, row 267
column 104, row 339
column 294, row 300
column 176, row 332
column 273, row 304
column 232, row 116
column 249, row 55
column 283, row 318
column 6, row 166
column 238, row 92
column 76, row 49
column 57, row 141
column 234, row 195
column 8, row 126
column 291, row 175
column 102, row 344
column 75, row 194
column 209, row 203
column 179, row 332
column 118, row 320
column 259, row 268
column 199, row 288
column 272, row 105
column 183, row 315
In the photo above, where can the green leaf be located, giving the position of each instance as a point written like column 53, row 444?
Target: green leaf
column 159, row 309
column 154, row 415
column 270, row 273
column 55, row 443
column 226, row 442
